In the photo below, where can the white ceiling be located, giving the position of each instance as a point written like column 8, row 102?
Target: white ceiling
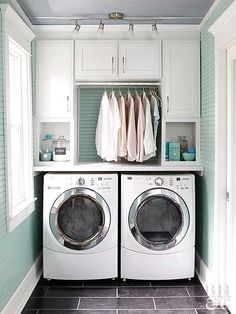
column 61, row 11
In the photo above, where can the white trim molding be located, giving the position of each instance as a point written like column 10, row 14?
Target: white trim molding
column 224, row 31
column 18, row 300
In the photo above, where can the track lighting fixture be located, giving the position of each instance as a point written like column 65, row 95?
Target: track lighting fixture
column 101, row 26
column 75, row 31
column 155, row 32
column 131, row 29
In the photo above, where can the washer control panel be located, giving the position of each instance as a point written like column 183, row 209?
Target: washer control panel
column 98, row 182
column 81, row 181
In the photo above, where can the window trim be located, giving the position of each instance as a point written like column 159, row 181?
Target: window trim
column 16, row 216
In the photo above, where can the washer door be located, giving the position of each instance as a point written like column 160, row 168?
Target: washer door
column 159, row 219
column 80, row 218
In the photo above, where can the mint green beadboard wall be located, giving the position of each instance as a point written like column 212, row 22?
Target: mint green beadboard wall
column 20, row 248
column 206, row 184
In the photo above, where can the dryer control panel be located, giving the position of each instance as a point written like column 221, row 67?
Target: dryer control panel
column 172, row 182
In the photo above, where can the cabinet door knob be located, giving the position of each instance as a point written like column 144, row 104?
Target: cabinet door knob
column 123, row 63
column 112, row 64
column 68, row 103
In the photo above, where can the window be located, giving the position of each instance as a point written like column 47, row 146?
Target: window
column 18, row 134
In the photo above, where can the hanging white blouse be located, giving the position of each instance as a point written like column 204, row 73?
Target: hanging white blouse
column 149, row 142
column 140, row 127
column 105, row 124
column 155, row 115
column 122, row 150
column 131, row 129
column 112, row 150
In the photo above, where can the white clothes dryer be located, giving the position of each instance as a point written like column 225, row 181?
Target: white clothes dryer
column 157, row 226
column 80, row 226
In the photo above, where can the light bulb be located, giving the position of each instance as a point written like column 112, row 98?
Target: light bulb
column 155, row 32
column 131, row 29
column 75, row 31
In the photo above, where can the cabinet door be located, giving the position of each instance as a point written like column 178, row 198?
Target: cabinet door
column 181, row 78
column 54, row 78
column 95, row 60
column 140, row 59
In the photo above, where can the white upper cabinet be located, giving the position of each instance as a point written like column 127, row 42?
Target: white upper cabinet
column 54, row 79
column 117, row 60
column 140, row 59
column 95, row 60
column 181, row 78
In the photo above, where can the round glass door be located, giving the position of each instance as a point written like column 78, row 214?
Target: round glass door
column 159, row 219
column 79, row 218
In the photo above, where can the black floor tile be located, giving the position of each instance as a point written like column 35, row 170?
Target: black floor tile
column 216, row 311
column 53, row 282
column 39, row 291
column 133, row 282
column 116, row 303
column 156, row 312
column 71, row 292
column 177, row 282
column 100, row 283
column 52, row 303
column 29, row 312
column 152, row 291
column 77, row 312
column 181, row 303
column 196, row 291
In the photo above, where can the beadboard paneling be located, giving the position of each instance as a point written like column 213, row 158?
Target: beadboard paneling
column 20, row 248
column 206, row 184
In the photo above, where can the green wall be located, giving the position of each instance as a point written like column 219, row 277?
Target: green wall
column 206, row 184
column 20, row 248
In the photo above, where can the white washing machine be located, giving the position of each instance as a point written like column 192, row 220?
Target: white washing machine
column 157, row 226
column 80, row 226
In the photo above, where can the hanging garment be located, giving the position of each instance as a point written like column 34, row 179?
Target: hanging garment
column 105, row 123
column 149, row 142
column 112, row 150
column 155, row 115
column 122, row 149
column 140, row 127
column 131, row 129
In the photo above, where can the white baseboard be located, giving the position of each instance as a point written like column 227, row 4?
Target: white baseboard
column 18, row 300
column 205, row 275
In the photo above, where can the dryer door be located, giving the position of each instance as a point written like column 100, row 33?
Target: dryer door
column 79, row 218
column 159, row 219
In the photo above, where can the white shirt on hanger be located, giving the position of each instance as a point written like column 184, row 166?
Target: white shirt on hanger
column 140, row 127
column 131, row 129
column 149, row 142
column 105, row 124
column 112, row 150
column 122, row 150
column 155, row 115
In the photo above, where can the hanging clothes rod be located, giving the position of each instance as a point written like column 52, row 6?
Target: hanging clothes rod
column 125, row 84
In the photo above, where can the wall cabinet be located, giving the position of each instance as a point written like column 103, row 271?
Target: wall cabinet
column 95, row 60
column 139, row 59
column 181, row 78
column 117, row 60
column 54, row 78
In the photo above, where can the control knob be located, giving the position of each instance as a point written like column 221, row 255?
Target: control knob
column 81, row 181
column 159, row 181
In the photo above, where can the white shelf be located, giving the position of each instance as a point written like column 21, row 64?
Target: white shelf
column 116, row 166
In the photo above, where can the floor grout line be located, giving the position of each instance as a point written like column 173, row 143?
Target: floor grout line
column 187, row 291
column 78, row 303
column 154, row 303
column 117, row 292
column 46, row 292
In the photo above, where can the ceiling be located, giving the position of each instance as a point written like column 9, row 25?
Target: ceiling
column 168, row 11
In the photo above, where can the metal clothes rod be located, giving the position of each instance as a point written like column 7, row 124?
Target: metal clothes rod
column 126, row 84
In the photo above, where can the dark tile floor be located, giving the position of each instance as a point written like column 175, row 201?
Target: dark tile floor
column 118, row 297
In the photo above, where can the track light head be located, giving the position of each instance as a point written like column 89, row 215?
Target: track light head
column 155, row 32
column 76, row 30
